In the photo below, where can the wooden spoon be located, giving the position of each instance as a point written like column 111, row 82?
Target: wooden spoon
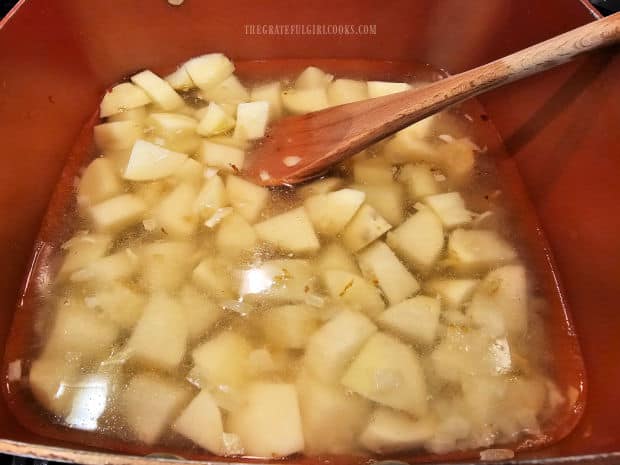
column 298, row 148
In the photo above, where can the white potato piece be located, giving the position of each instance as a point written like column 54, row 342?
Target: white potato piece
column 200, row 311
column 160, row 337
column 221, row 360
column 229, row 91
column 262, row 433
column 150, row 403
column 235, row 236
column 478, row 250
column 180, row 79
column 151, row 194
column 120, row 303
column 80, row 331
column 301, row 101
column 336, row 257
column 158, row 90
column 171, row 124
column 246, row 198
column 137, row 115
column 118, row 266
column 277, row 281
column 379, row 264
column 230, row 141
column 331, row 418
column 212, row 275
column 419, row 240
column 166, row 265
column 406, row 148
column 419, row 180
column 211, row 197
column 312, row 77
column 99, row 182
column 289, row 326
column 291, row 231
column 321, row 186
column 215, row 121
column 387, row 199
column 149, row 162
column 252, row 120
column 117, row 135
column 389, row 373
column 354, row 291
column 499, row 305
column 452, row 292
column 224, row 157
column 416, row 320
column 381, row 88
column 332, row 346
column 122, row 97
column 175, row 215
column 270, row 92
column 81, row 250
column 366, row 226
column 390, row 431
column 450, row 208
column 331, row 212
column 372, row 171
column 201, row 422
column 191, row 172
column 207, row 71
column 51, row 380
column 343, row 91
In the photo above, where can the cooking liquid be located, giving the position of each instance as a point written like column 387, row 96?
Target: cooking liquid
column 549, row 349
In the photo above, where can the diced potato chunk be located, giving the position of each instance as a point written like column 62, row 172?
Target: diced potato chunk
column 419, row 180
column 252, row 120
column 191, row 172
column 331, row 212
column 220, row 361
column 51, row 380
column 150, row 403
column 452, row 292
column 301, row 101
column 82, row 249
column 415, row 319
column 137, row 115
column 211, row 275
column 499, row 304
column 262, row 433
column 117, row 135
column 177, row 132
column 312, row 77
column 201, row 422
column 373, row 171
column 419, row 240
column 200, row 311
column 159, row 340
column 215, row 121
column 353, row 290
column 211, row 197
column 271, row 93
column 390, row 431
column 148, row 162
column 229, row 91
column 221, row 156
column 379, row 264
column 478, row 249
column 180, row 80
column 120, row 265
column 366, row 226
column 331, row 418
column 235, row 236
column 99, row 182
column 166, row 265
column 387, row 199
column 322, row 186
column 158, row 90
column 121, row 304
column 331, row 348
column 80, row 331
column 289, row 326
column 403, row 148
column 207, row 71
column 175, row 214
column 381, row 88
column 291, row 231
column 336, row 257
column 390, row 373
column 284, row 280
column 246, row 198
column 122, row 97
column 450, row 208
column 343, row 91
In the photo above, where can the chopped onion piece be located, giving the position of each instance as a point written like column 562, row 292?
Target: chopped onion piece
column 291, row 161
column 15, row 371
column 447, row 138
column 314, row 300
column 496, row 454
column 264, row 175
column 218, row 216
column 210, row 172
column 232, row 444
column 149, row 224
